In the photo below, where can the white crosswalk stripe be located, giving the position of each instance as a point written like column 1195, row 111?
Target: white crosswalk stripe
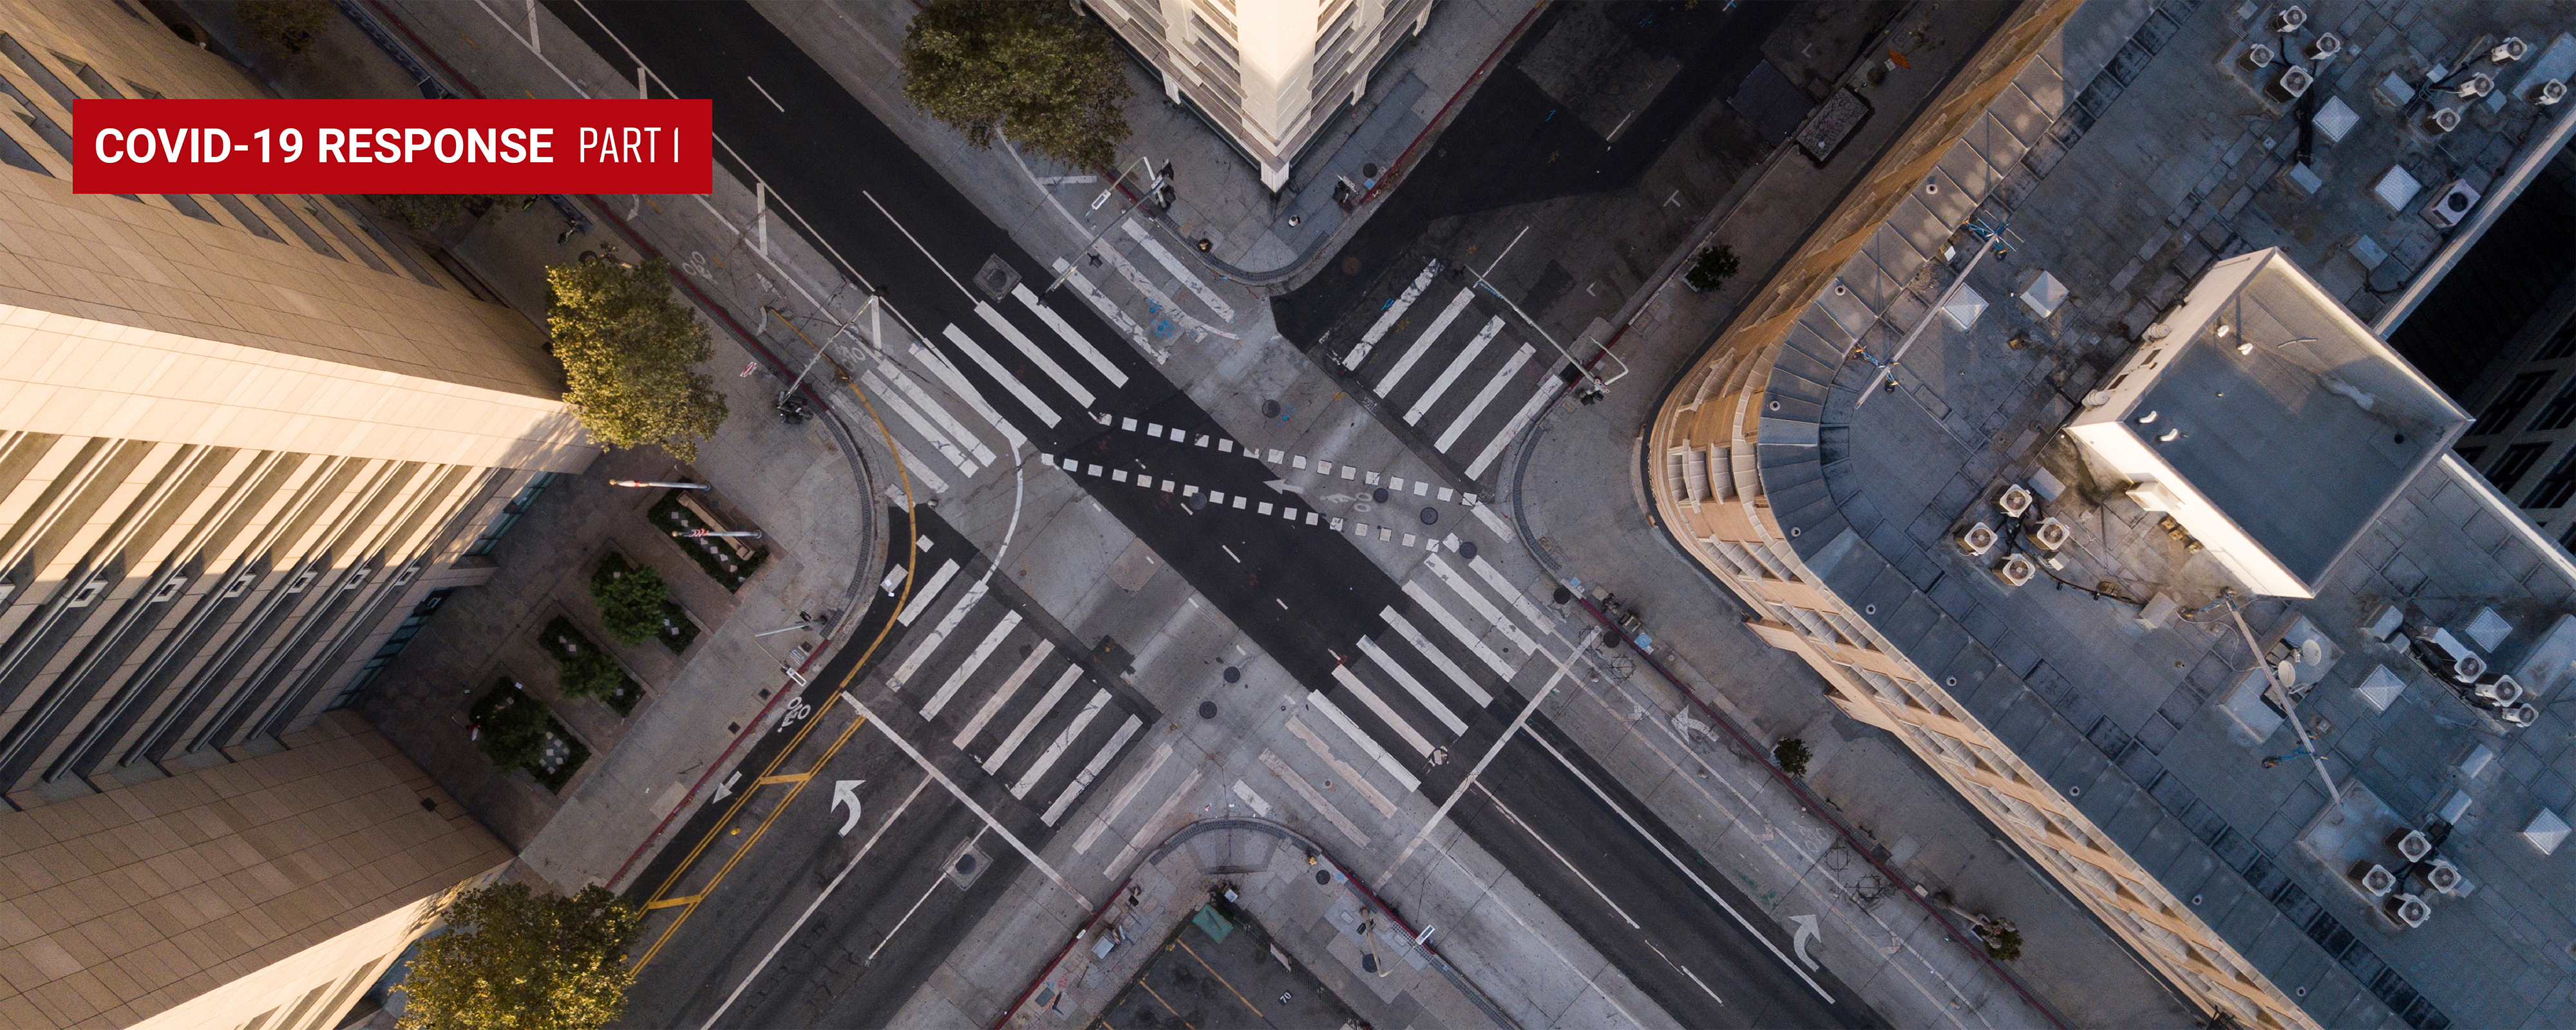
column 947, row 624
column 1439, row 659
column 1422, row 405
column 1189, row 280
column 923, row 592
column 1485, row 396
column 975, row 352
column 1029, row 722
column 1108, row 370
column 908, row 415
column 1003, row 694
column 1494, row 447
column 956, row 383
column 1063, row 741
column 920, row 470
column 974, row 660
column 1476, row 599
column 1387, row 319
column 1475, row 645
column 1422, row 343
column 1351, row 682
column 937, row 412
column 1457, row 726
column 1109, row 310
column 1028, row 348
column 1368, row 745
column 1091, row 770
column 1520, row 602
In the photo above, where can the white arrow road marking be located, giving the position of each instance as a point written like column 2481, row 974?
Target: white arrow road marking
column 725, row 790
column 847, row 792
column 1806, row 930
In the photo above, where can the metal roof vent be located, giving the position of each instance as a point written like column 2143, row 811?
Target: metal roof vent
column 2549, row 92
column 2475, row 86
column 2324, row 47
column 2441, row 120
column 2257, row 55
column 2289, row 19
column 2406, row 910
column 2453, row 205
column 2509, row 51
column 2378, row 880
column 2292, row 81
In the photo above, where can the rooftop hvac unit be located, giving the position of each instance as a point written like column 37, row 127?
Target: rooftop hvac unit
column 2453, row 204
column 2015, row 500
column 1979, row 539
column 2496, row 690
column 2476, row 86
column 2446, row 656
column 2016, row 570
column 2441, row 120
column 2378, row 880
column 2289, row 19
column 2413, row 845
column 2258, row 55
column 2051, row 534
column 2324, row 47
column 2520, row 716
column 2509, row 51
column 2406, row 910
column 2442, row 875
column 2549, row 92
column 2292, row 81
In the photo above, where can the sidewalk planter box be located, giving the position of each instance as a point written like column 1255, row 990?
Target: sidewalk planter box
column 727, row 560
column 553, row 754
column 566, row 644
column 677, row 630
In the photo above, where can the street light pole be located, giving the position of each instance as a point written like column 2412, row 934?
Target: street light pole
column 656, row 482
column 692, row 534
column 1162, row 180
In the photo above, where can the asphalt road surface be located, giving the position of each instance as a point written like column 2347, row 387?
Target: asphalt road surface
column 1299, row 595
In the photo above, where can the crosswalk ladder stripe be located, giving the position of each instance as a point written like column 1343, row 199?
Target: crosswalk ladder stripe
column 1385, row 712
column 955, row 381
column 1387, row 319
column 1457, row 726
column 1030, row 721
column 1422, row 597
column 1029, row 348
column 1494, row 447
column 1422, row 343
column 1108, row 369
column 1476, row 599
column 974, row 660
column 1438, row 657
column 1063, row 741
column 947, row 625
column 975, row 352
column 1368, row 745
column 1457, row 366
column 1485, row 396
column 1091, row 770
column 1002, row 695
column 922, row 595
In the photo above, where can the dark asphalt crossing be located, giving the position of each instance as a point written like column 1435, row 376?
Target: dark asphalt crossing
column 1300, row 594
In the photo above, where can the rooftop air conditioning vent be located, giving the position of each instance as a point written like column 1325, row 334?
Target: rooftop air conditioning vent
column 2520, row 716
column 2467, row 667
column 2441, row 120
column 2378, row 880
column 2475, row 86
column 2258, row 55
column 1979, row 539
column 2406, row 910
column 2050, row 535
column 2293, row 81
column 2452, row 205
column 2442, row 875
column 2549, row 92
column 2015, row 500
column 2496, row 690
column 2289, row 19
column 2324, row 47
column 2413, row 845
column 2016, row 570
column 2509, row 51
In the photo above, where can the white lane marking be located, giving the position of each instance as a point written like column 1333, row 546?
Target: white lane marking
column 1694, row 977
column 1224, row 311
column 1046, row 703
column 1485, row 396
column 1260, row 805
column 1422, row 343
column 1703, row 886
column 1055, row 749
column 1162, row 301
column 1313, row 797
column 1126, row 796
column 921, row 598
column 993, row 705
column 1493, row 577
column 947, row 624
column 954, row 791
column 1495, row 751
column 1368, row 745
column 975, row 352
column 1146, row 832
column 1108, row 370
column 1476, row 599
column 974, row 660
column 920, row 470
column 1334, row 762
column 1515, row 819
column 1387, row 319
column 1492, row 659
column 1457, row 366
column 1385, row 712
column 764, row 94
column 1532, row 933
column 938, row 412
column 1110, row 312
column 1494, row 447
column 908, row 913
column 1020, row 341
column 1457, row 726
column 1091, row 769
column 911, row 416
column 1438, row 657
column 955, row 381
column 828, row 888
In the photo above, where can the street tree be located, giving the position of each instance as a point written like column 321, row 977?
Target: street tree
column 511, row 731
column 1793, row 756
column 430, row 212
column 1034, row 71
column 630, row 600
column 630, row 353
column 515, row 959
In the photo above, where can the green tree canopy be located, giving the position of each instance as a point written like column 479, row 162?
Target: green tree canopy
column 1036, row 71
column 630, row 354
column 511, row 730
column 519, row 960
column 590, row 672
column 429, row 212
column 630, row 600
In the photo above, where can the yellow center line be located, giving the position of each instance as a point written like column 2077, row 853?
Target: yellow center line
column 783, row 778
column 1220, row 978
column 912, row 568
column 1158, row 996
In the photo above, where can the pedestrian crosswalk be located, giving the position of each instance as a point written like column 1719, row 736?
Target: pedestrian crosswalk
column 1449, row 381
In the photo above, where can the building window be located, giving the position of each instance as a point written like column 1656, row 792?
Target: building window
column 2517, row 460
column 2556, row 487
column 509, row 516
column 2517, row 396
column 2470, row 455
column 392, row 646
column 2556, row 414
column 2560, row 345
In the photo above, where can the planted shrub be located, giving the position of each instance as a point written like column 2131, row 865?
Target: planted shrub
column 1792, row 754
column 631, row 599
column 510, row 726
column 1713, row 268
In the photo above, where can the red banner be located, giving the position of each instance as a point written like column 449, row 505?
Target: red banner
column 393, row 146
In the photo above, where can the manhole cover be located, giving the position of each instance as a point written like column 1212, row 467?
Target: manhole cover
column 1378, row 495
column 1323, row 878
column 1562, row 595
column 1430, row 515
column 965, row 865
column 1350, row 266
column 1467, row 549
column 1233, row 675
column 1270, row 409
column 996, row 277
column 1207, row 709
